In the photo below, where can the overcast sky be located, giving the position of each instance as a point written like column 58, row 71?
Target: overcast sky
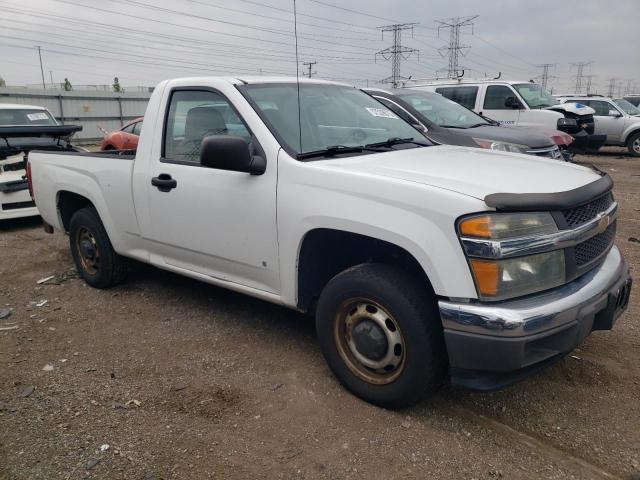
column 145, row 41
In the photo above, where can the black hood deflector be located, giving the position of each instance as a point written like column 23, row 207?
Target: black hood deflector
column 529, row 202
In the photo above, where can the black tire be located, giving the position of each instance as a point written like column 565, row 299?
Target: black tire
column 105, row 269
column 633, row 144
column 412, row 307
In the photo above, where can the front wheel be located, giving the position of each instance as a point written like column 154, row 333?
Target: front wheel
column 380, row 332
column 634, row 145
column 96, row 260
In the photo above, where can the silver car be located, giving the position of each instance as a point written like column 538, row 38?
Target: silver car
column 618, row 119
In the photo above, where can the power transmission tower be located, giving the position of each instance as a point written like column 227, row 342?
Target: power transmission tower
column 455, row 49
column 544, row 76
column 310, row 66
column 397, row 51
column 41, row 69
column 611, row 91
column 631, row 86
column 579, row 74
column 589, row 83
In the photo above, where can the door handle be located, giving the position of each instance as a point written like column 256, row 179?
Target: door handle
column 164, row 182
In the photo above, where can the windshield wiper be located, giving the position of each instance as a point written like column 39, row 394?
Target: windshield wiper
column 330, row 151
column 390, row 142
column 475, row 125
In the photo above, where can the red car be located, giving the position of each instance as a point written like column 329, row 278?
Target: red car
column 124, row 139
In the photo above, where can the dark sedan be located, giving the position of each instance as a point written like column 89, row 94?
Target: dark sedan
column 449, row 123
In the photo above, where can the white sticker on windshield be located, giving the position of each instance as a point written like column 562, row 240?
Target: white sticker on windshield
column 381, row 112
column 37, row 116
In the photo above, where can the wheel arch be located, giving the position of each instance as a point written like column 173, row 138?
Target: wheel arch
column 325, row 252
column 68, row 203
column 633, row 131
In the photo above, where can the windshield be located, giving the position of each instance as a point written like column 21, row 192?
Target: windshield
column 535, row 95
column 442, row 111
column 627, row 106
column 11, row 116
column 330, row 115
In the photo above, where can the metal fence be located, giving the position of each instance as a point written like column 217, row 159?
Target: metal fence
column 91, row 109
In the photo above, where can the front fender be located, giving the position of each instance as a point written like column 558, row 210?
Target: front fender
column 415, row 217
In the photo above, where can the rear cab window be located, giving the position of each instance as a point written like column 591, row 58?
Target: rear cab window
column 23, row 117
column 464, row 95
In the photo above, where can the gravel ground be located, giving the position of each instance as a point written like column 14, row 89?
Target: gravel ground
column 165, row 377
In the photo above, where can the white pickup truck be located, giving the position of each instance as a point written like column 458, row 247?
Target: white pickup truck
column 421, row 263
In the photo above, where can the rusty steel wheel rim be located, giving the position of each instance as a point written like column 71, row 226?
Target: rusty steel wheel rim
column 88, row 251
column 369, row 341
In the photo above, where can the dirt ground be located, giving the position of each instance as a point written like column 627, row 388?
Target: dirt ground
column 185, row 380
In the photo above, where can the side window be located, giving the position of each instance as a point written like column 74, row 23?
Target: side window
column 397, row 110
column 496, row 97
column 601, row 108
column 465, row 96
column 136, row 128
column 128, row 128
column 194, row 115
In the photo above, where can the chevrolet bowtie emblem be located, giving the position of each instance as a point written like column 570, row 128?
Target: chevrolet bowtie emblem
column 603, row 223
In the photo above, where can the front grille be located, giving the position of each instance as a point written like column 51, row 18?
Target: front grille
column 593, row 248
column 548, row 152
column 17, row 205
column 580, row 215
column 587, row 123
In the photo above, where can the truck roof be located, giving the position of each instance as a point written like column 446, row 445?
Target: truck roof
column 461, row 81
column 245, row 80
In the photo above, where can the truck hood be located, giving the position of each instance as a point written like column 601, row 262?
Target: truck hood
column 470, row 171
column 529, row 137
column 575, row 108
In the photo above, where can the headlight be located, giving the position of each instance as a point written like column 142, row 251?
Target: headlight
column 501, row 146
column 500, row 278
column 514, row 277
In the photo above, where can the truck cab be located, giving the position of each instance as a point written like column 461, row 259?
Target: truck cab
column 421, row 263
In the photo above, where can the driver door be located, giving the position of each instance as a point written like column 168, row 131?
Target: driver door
column 495, row 105
column 605, row 124
column 217, row 223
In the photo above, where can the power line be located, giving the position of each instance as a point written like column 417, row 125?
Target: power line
column 455, row 49
column 503, row 51
column 397, row 51
column 192, row 27
column 357, row 12
column 286, row 20
column 123, row 32
column 324, row 19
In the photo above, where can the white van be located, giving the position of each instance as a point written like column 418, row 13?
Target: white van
column 518, row 103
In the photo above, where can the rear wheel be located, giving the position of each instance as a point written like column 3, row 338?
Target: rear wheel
column 380, row 333
column 634, row 145
column 96, row 261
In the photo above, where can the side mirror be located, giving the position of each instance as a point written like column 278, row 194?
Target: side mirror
column 512, row 102
column 228, row 152
column 614, row 113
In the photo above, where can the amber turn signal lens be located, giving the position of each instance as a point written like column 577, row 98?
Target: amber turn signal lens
column 487, row 275
column 476, row 227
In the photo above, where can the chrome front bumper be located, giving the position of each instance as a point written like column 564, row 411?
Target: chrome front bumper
column 516, row 334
